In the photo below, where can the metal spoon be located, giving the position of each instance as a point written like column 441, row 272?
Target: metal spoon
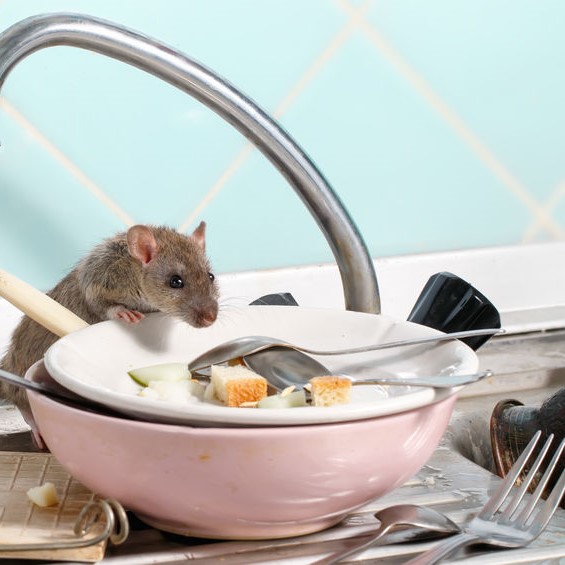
column 283, row 368
column 432, row 522
column 242, row 346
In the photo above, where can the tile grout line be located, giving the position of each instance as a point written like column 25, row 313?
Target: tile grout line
column 550, row 204
column 298, row 87
column 320, row 61
column 457, row 124
column 65, row 162
column 229, row 172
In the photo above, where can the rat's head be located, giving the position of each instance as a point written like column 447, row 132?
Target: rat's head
column 176, row 275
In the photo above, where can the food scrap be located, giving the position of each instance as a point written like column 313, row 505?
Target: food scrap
column 330, row 390
column 184, row 391
column 170, row 372
column 235, row 385
column 44, row 495
column 288, row 398
column 171, row 382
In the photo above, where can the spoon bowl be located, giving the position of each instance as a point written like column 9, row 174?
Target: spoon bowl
column 283, row 367
column 428, row 522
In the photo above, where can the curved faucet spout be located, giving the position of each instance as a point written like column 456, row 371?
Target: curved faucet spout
column 356, row 268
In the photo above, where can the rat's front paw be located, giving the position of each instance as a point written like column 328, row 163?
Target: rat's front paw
column 126, row 315
column 130, row 316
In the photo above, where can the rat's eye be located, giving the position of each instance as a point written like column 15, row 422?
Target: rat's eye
column 211, row 277
column 176, row 282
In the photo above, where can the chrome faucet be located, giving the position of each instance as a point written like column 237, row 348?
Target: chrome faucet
column 356, row 268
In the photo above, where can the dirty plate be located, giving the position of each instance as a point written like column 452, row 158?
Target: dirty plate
column 94, row 361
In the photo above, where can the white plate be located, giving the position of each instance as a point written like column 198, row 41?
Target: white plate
column 94, row 361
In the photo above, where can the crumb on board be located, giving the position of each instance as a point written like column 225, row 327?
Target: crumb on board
column 44, row 495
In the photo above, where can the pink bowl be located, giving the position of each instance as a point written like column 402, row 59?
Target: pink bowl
column 239, row 483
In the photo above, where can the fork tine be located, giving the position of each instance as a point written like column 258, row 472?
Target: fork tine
column 496, row 500
column 525, row 513
column 527, row 482
column 554, row 499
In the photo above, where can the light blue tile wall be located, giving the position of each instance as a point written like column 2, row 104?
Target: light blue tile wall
column 440, row 124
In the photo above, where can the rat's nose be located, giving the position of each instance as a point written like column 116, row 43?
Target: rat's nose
column 208, row 318
column 205, row 316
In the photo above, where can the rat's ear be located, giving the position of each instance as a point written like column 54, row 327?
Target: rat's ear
column 142, row 244
column 199, row 235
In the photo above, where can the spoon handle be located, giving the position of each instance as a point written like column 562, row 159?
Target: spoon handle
column 37, row 387
column 355, row 548
column 439, row 381
column 70, row 398
column 249, row 345
column 403, row 342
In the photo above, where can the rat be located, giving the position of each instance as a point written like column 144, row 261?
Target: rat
column 145, row 269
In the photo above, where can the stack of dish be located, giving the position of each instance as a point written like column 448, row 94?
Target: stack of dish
column 206, row 470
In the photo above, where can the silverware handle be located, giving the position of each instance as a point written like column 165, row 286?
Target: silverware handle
column 38, row 306
column 443, row 549
column 354, row 549
column 403, row 342
column 439, row 381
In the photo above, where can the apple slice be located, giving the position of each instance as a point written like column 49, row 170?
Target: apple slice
column 181, row 391
column 169, row 372
column 291, row 400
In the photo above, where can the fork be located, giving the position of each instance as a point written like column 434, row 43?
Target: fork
column 511, row 526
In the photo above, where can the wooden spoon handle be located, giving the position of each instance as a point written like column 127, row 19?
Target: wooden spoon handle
column 38, row 306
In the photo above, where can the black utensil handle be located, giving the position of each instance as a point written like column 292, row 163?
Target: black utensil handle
column 450, row 304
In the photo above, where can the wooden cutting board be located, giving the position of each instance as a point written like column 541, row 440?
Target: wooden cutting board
column 21, row 521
